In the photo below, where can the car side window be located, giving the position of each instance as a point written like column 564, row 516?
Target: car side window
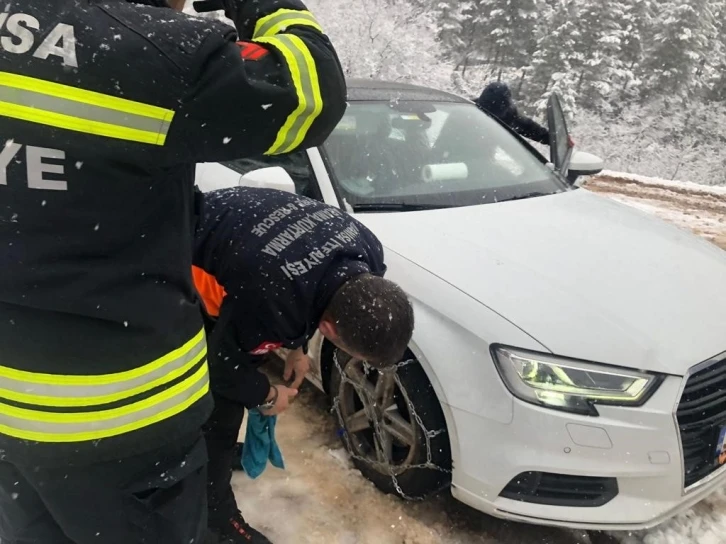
column 296, row 164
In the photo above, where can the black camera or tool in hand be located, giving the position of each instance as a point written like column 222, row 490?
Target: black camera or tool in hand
column 231, row 7
column 204, row 6
column 232, row 10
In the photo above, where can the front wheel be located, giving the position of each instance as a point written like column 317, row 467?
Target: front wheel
column 392, row 425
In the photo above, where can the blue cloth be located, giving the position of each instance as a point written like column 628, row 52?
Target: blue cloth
column 260, row 444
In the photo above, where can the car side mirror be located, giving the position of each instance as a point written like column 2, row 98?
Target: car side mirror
column 273, row 177
column 584, row 164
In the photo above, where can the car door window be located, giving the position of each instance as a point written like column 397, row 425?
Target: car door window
column 296, row 164
column 559, row 134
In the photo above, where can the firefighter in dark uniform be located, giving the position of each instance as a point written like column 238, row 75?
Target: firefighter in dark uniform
column 105, row 107
column 496, row 99
column 272, row 269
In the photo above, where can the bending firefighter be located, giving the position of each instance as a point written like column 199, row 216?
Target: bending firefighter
column 273, row 268
column 105, row 107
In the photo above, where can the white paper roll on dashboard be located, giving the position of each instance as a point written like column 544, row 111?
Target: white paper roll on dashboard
column 444, row 172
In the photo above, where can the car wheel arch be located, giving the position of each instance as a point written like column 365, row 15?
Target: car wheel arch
column 327, row 350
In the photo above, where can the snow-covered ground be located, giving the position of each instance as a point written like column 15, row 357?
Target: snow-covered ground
column 699, row 208
column 320, row 498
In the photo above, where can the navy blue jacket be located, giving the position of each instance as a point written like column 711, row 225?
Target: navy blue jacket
column 279, row 259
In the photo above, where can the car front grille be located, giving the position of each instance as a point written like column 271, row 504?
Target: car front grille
column 701, row 415
column 561, row 489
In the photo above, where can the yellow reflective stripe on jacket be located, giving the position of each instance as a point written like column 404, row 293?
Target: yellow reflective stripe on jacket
column 102, row 397
column 80, row 396
column 118, row 378
column 307, row 87
column 283, row 18
column 77, row 427
column 62, row 106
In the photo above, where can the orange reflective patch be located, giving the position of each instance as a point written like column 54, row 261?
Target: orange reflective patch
column 252, row 51
column 211, row 293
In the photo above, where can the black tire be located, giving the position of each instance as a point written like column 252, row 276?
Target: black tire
column 409, row 472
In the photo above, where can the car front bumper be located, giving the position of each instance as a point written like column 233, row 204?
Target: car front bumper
column 638, row 447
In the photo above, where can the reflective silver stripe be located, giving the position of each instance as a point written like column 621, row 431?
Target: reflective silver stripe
column 80, row 110
column 54, row 427
column 283, row 18
column 305, row 79
column 32, row 99
column 89, row 392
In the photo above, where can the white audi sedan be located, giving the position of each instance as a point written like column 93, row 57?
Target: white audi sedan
column 569, row 360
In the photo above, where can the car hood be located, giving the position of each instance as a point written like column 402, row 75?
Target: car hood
column 585, row 276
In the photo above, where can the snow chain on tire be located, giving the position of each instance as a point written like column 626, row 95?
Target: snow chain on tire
column 377, row 428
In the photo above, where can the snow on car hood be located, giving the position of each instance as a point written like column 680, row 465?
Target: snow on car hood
column 586, row 277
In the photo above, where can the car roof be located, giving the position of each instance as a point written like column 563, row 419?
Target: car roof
column 374, row 90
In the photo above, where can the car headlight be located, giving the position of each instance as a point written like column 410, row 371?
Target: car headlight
column 574, row 386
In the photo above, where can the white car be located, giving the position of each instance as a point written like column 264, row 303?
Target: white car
column 569, row 360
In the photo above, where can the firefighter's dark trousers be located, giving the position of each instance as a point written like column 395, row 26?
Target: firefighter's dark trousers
column 153, row 498
column 221, row 432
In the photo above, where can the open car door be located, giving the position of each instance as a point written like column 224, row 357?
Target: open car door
column 560, row 148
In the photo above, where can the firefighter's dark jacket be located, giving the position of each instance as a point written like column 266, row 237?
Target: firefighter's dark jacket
column 105, row 106
column 496, row 99
column 267, row 264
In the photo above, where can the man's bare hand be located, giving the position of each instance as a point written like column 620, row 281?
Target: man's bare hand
column 297, row 364
column 284, row 395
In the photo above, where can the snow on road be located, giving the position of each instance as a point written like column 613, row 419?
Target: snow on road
column 322, row 499
column 701, row 209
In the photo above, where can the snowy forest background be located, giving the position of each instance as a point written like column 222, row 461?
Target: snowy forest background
column 643, row 80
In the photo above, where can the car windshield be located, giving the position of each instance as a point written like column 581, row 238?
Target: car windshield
column 422, row 155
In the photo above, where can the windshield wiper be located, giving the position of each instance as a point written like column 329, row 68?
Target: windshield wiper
column 533, row 194
column 397, row 207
